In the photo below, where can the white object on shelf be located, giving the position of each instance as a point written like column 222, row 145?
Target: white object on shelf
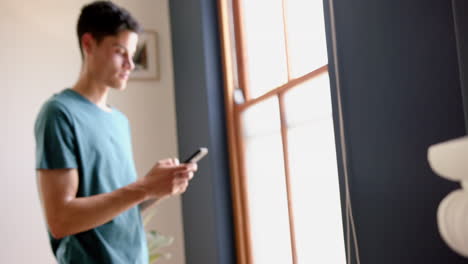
column 452, row 219
column 449, row 159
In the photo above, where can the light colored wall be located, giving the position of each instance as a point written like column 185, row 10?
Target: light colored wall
column 38, row 57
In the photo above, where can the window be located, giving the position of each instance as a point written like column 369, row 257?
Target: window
column 281, row 137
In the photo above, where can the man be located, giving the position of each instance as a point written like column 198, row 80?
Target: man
column 86, row 176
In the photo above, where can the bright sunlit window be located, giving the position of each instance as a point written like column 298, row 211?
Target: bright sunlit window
column 281, row 134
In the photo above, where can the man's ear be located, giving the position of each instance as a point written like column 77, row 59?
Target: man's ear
column 87, row 43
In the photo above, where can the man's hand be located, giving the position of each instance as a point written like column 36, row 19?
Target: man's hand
column 168, row 177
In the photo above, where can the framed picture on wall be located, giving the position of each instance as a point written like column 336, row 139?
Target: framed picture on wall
column 146, row 57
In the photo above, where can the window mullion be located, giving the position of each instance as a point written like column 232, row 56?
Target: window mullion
column 285, row 87
column 241, row 48
column 284, row 137
column 243, row 199
column 286, row 46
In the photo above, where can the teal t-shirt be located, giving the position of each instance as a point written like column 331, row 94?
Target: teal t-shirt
column 73, row 132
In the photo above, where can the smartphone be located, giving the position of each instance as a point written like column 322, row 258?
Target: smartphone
column 197, row 155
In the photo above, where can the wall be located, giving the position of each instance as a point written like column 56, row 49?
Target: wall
column 401, row 93
column 40, row 56
column 207, row 205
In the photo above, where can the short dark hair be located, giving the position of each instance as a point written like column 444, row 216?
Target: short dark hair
column 104, row 18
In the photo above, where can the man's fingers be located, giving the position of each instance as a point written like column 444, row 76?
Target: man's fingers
column 191, row 167
column 180, row 179
column 169, row 162
column 185, row 168
column 189, row 171
column 180, row 185
column 183, row 176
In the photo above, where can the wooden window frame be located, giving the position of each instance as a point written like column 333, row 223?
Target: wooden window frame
column 236, row 63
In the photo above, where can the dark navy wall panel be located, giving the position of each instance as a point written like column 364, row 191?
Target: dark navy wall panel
column 207, row 207
column 401, row 93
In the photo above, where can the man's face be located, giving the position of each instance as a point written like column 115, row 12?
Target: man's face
column 110, row 61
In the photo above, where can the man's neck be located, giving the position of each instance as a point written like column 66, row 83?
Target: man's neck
column 93, row 91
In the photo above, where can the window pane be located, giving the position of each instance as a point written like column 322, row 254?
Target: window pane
column 262, row 119
column 306, row 36
column 314, row 176
column 266, row 52
column 315, row 194
column 309, row 101
column 268, row 207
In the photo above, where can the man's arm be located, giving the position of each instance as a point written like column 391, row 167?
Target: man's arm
column 67, row 214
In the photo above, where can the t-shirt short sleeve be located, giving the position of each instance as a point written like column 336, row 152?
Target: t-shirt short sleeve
column 55, row 139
